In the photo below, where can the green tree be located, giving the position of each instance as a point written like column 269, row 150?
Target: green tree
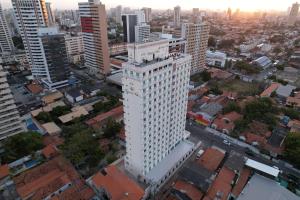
column 21, row 145
column 44, row 117
column 291, row 113
column 212, row 41
column 232, row 106
column 292, row 148
column 205, row 76
column 69, row 131
column 60, row 110
column 112, row 128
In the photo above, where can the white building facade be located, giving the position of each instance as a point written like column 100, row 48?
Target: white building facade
column 177, row 16
column 155, row 92
column 75, row 48
column 6, row 43
column 142, row 32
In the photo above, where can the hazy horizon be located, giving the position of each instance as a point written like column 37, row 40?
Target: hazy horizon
column 244, row 5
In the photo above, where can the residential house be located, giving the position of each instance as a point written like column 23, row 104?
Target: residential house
column 225, row 123
column 74, row 95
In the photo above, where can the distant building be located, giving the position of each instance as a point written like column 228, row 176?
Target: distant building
column 54, row 47
column 196, row 15
column 177, row 16
column 94, row 29
column 142, row 32
column 10, row 121
column 51, row 17
column 6, row 43
column 118, row 14
column 130, row 21
column 293, row 14
column 196, row 36
column 75, row 48
column 148, row 13
column 263, row 62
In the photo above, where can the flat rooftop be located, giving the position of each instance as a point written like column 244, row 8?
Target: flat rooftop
column 158, row 172
column 262, row 167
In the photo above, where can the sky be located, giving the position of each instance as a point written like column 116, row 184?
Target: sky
column 244, row 5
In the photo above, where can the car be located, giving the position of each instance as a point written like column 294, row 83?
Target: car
column 226, row 142
column 200, row 152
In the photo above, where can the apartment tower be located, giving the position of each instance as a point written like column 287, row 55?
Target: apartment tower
column 293, row 14
column 177, row 16
column 155, row 92
column 196, row 36
column 147, row 12
column 10, row 121
column 94, row 30
column 6, row 43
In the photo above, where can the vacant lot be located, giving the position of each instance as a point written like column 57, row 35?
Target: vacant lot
column 241, row 87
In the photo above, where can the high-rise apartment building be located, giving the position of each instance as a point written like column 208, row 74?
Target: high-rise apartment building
column 118, row 14
column 196, row 15
column 142, row 32
column 94, row 30
column 177, row 16
column 155, row 92
column 148, row 16
column 293, row 14
column 75, row 48
column 55, row 54
column 130, row 21
column 32, row 15
column 196, row 36
column 10, row 121
column 6, row 43
column 50, row 14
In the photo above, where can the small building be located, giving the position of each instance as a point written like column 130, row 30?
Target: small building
column 284, row 91
column 268, row 92
column 263, row 62
column 76, row 112
column 226, row 123
column 74, row 95
column 52, row 97
column 51, row 128
column 113, row 184
column 211, row 159
column 216, row 58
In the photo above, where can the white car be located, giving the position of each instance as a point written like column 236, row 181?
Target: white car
column 226, row 142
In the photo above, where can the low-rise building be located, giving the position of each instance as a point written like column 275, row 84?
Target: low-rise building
column 226, row 123
column 76, row 112
column 216, row 58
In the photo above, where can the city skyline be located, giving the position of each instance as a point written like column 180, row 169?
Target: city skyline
column 243, row 5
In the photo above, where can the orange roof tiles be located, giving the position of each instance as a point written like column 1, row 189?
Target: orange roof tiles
column 188, row 189
column 269, row 90
column 34, row 88
column 242, row 181
column 211, row 159
column 49, row 151
column 4, row 171
column 226, row 122
column 117, row 184
column 251, row 137
column 221, row 187
column 114, row 113
column 45, row 179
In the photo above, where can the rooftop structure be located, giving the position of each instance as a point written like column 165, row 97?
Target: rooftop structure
column 262, row 167
column 263, row 62
column 76, row 112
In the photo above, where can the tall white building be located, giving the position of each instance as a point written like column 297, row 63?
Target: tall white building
column 155, row 92
column 130, row 21
column 147, row 12
column 6, row 43
column 50, row 14
column 177, row 16
column 118, row 14
column 196, row 36
column 142, row 32
column 10, row 121
column 293, row 14
column 32, row 15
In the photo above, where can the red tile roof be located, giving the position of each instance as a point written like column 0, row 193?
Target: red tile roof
column 188, row 189
column 269, row 90
column 226, row 122
column 221, row 187
column 211, row 159
column 114, row 113
column 34, row 88
column 49, row 151
column 242, row 181
column 43, row 180
column 4, row 171
column 251, row 137
column 117, row 184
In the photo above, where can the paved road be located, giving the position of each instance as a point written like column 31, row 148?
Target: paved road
column 208, row 139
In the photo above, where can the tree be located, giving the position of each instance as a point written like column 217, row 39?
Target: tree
column 112, row 128
column 212, row 41
column 44, row 117
column 205, row 75
column 246, row 67
column 21, row 145
column 83, row 148
column 226, row 43
column 291, row 113
column 60, row 110
column 232, row 106
column 292, row 148
column 69, row 131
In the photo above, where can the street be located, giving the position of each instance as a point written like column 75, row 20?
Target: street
column 198, row 133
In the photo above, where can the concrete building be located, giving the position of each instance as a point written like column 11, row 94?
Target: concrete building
column 51, row 17
column 75, row 48
column 142, row 32
column 177, row 16
column 155, row 92
column 196, row 36
column 118, row 14
column 94, row 29
column 293, row 14
column 32, row 15
column 10, row 121
column 147, row 12
column 6, row 43
column 216, row 58
column 54, row 53
column 196, row 15
column 130, row 21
